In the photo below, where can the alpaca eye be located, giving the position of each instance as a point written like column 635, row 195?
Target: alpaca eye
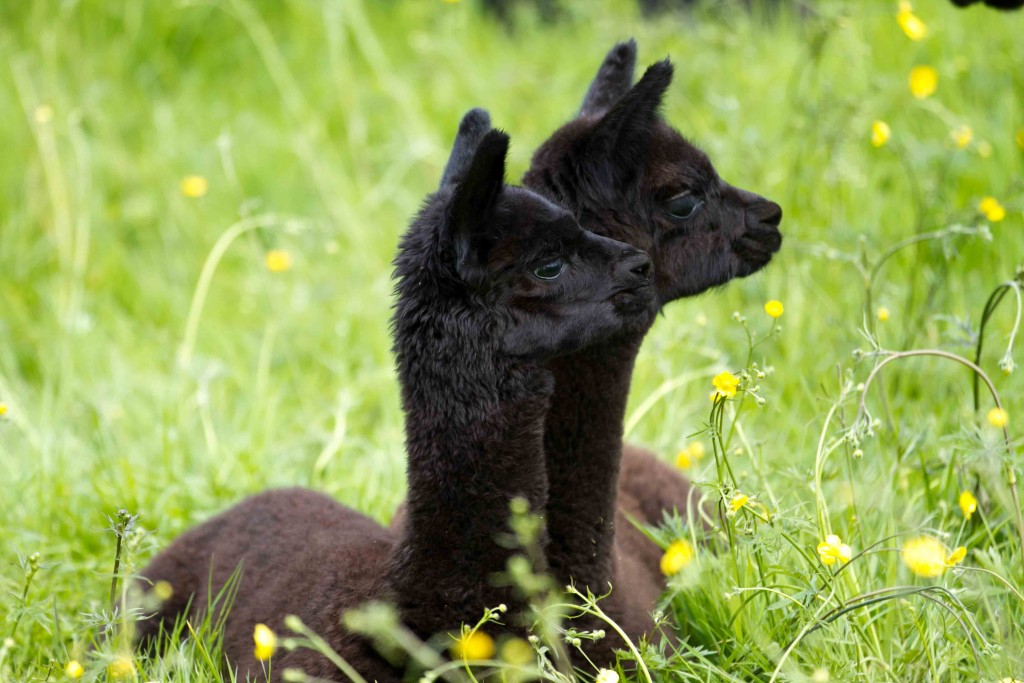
column 550, row 270
column 684, row 205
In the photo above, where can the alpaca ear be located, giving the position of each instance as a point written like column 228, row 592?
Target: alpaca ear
column 612, row 80
column 618, row 144
column 471, row 211
column 474, row 125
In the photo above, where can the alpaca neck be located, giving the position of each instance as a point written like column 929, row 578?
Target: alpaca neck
column 583, row 446
column 474, row 439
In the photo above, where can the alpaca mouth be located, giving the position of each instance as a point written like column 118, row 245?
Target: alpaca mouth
column 633, row 300
column 756, row 248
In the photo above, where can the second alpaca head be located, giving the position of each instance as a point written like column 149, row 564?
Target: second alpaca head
column 629, row 175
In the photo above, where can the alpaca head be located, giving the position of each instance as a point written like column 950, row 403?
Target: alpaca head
column 500, row 270
column 630, row 176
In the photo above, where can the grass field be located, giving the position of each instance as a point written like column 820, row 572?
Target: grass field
column 151, row 361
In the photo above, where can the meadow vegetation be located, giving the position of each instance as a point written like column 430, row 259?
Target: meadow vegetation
column 199, row 202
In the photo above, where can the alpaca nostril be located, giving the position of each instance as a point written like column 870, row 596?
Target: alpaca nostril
column 771, row 213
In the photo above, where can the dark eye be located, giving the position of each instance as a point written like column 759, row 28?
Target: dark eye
column 684, row 205
column 550, row 270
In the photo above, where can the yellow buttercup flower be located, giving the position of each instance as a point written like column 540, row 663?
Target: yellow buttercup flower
column 683, row 459
column 266, row 642
column 880, row 133
column 923, row 81
column 912, row 26
column 962, row 136
column 737, row 501
column 726, row 383
column 516, row 651
column 968, row 504
column 832, row 549
column 998, row 417
column 773, row 308
column 927, row 557
column 474, row 645
column 956, row 557
column 993, row 210
column 3, row 409
column 194, row 186
column 677, row 557
column 606, row 676
column 163, row 590
column 121, row 667
column 687, row 456
column 882, row 313
column 74, row 669
column 278, row 260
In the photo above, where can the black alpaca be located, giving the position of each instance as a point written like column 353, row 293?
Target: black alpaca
column 493, row 280
column 629, row 176
column 520, row 283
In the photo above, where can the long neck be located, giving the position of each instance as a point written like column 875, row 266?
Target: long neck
column 583, row 446
column 474, row 439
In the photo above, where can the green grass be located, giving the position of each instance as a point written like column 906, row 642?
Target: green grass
column 320, row 126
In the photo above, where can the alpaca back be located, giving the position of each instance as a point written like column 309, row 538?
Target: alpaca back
column 297, row 552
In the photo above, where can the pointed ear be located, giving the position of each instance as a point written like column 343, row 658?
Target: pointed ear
column 620, row 138
column 471, row 211
column 612, row 80
column 474, row 125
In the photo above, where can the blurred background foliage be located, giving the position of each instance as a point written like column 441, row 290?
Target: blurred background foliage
column 317, row 127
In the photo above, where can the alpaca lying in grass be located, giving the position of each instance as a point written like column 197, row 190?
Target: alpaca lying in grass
column 628, row 175
column 492, row 281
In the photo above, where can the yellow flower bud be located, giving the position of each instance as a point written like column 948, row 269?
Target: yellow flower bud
column 677, row 557
column 278, row 260
column 474, row 645
column 998, row 418
column 880, row 133
column 265, row 640
column 962, row 136
column 74, row 669
column 923, row 81
column 194, row 186
column 121, row 667
column 968, row 504
column 992, row 209
column 912, row 26
column 925, row 556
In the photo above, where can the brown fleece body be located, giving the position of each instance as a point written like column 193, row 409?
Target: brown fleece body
column 298, row 552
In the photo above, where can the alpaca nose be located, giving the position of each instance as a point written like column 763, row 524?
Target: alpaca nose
column 637, row 263
column 767, row 212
